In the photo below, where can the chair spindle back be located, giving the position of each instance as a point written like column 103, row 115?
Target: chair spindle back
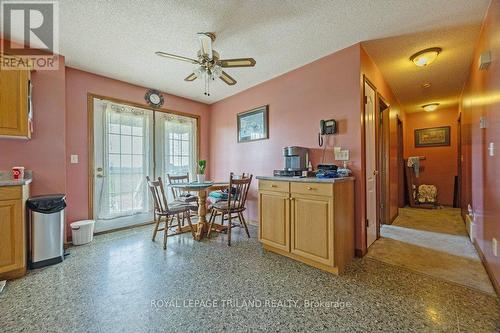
column 158, row 192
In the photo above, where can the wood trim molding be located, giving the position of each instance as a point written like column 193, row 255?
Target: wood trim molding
column 494, row 282
column 360, row 253
column 90, row 136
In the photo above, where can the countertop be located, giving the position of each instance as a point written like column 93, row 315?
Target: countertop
column 306, row 179
column 6, row 178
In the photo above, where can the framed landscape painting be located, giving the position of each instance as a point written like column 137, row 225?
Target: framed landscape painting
column 253, row 125
column 432, row 137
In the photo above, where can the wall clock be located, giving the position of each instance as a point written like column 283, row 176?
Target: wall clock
column 154, row 98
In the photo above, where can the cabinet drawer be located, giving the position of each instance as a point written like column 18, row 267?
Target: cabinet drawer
column 10, row 192
column 270, row 185
column 312, row 188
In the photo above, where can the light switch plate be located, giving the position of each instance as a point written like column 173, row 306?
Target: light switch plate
column 494, row 244
column 74, row 159
column 482, row 122
column 491, row 149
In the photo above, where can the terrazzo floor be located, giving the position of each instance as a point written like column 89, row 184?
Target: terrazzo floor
column 124, row 282
column 432, row 242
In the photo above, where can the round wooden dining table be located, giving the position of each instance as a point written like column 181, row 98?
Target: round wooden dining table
column 202, row 189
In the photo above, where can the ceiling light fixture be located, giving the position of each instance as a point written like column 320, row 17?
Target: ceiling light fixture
column 425, row 57
column 430, row 107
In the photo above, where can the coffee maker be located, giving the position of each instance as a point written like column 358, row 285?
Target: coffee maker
column 296, row 160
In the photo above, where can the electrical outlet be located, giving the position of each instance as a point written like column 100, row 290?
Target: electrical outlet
column 74, row 159
column 494, row 247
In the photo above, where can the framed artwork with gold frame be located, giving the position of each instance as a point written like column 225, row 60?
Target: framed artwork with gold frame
column 432, row 137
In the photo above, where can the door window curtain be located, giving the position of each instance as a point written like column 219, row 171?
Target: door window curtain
column 178, row 138
column 127, row 162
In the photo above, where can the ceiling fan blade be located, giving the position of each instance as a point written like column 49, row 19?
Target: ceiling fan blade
column 228, row 79
column 205, row 44
column 191, row 77
column 240, row 62
column 177, row 57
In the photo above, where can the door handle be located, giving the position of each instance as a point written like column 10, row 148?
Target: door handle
column 99, row 173
column 375, row 172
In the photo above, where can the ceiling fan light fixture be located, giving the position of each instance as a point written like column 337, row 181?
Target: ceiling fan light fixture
column 425, row 57
column 430, row 107
column 217, row 71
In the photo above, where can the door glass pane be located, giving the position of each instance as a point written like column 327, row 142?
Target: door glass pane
column 126, row 164
column 180, row 145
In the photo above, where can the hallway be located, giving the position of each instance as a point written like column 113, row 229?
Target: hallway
column 432, row 242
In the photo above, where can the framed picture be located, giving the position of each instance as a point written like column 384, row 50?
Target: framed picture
column 253, row 125
column 432, row 137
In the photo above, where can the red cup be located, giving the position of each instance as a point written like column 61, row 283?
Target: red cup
column 18, row 173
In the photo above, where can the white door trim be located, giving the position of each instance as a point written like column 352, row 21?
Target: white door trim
column 370, row 162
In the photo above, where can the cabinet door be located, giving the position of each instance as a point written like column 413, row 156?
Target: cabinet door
column 14, row 103
column 12, row 249
column 274, row 213
column 312, row 228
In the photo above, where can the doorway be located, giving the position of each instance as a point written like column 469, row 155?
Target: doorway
column 402, row 192
column 370, row 163
column 130, row 142
column 383, row 160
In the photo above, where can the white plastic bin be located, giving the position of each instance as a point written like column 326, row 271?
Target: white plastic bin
column 82, row 232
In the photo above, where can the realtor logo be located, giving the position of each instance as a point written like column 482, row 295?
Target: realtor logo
column 30, row 35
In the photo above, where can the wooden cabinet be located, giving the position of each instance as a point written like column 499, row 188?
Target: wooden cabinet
column 309, row 221
column 12, row 231
column 14, row 104
column 274, row 212
column 312, row 228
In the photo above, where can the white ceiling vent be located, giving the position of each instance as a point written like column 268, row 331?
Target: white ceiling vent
column 484, row 60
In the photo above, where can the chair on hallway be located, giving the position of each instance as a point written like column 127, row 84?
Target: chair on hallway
column 235, row 204
column 163, row 210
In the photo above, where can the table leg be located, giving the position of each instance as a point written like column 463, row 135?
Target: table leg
column 202, row 212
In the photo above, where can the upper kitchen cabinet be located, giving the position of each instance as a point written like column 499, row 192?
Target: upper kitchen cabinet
column 14, row 104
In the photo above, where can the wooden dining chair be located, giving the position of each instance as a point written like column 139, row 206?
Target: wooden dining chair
column 224, row 192
column 163, row 210
column 178, row 193
column 235, row 204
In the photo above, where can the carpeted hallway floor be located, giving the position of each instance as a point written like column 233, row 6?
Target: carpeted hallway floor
column 432, row 242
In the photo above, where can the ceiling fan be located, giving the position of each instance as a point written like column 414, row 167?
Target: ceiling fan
column 209, row 65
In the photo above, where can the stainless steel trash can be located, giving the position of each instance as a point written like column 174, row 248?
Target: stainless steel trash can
column 46, row 229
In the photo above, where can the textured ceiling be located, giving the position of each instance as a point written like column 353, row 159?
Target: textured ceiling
column 447, row 74
column 118, row 38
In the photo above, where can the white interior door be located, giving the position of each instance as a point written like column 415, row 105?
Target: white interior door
column 371, row 165
column 122, row 159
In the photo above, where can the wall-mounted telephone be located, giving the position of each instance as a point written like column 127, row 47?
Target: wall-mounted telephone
column 326, row 127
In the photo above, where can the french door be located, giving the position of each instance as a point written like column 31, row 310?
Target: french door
column 131, row 143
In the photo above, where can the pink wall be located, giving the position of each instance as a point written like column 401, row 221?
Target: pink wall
column 481, row 181
column 45, row 152
column 440, row 165
column 298, row 100
column 78, row 85
column 374, row 75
